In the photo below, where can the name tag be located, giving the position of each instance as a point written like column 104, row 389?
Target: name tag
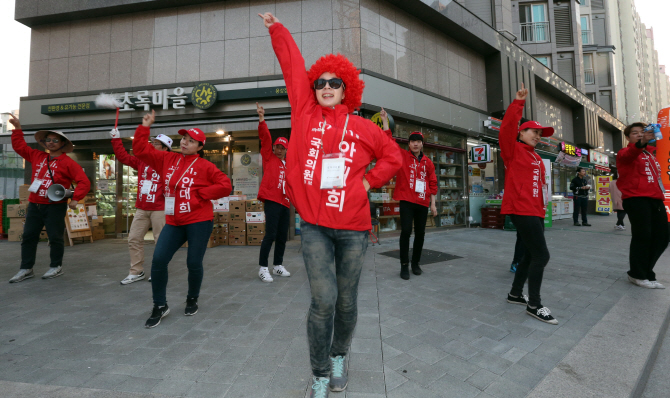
column 332, row 171
column 169, row 206
column 420, row 186
column 145, row 187
column 660, row 184
column 35, row 186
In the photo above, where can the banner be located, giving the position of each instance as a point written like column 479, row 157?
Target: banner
column 603, row 199
column 663, row 154
column 568, row 160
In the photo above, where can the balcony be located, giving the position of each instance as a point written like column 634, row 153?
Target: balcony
column 589, row 76
column 535, row 32
column 586, row 37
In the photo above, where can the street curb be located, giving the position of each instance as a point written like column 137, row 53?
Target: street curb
column 615, row 358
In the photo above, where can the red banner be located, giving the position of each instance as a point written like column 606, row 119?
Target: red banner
column 663, row 154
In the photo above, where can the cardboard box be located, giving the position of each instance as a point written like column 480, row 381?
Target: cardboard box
column 16, row 223
column 237, row 206
column 95, row 221
column 224, row 218
column 255, row 217
column 15, row 235
column 238, row 217
column 98, row 234
column 213, row 242
column 24, row 193
column 237, row 227
column 16, row 211
column 256, row 229
column 237, row 192
column 254, row 240
column 255, row 205
column 220, row 205
column 223, row 240
column 43, row 235
column 223, row 229
column 237, row 239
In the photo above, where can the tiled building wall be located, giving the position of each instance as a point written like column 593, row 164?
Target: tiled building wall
column 228, row 40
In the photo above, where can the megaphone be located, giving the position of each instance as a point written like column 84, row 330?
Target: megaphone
column 57, row 192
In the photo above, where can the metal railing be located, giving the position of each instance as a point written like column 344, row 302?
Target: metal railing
column 589, row 76
column 535, row 32
column 586, row 37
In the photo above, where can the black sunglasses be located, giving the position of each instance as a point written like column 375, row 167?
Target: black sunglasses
column 54, row 140
column 320, row 84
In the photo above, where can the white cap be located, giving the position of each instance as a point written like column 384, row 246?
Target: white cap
column 164, row 139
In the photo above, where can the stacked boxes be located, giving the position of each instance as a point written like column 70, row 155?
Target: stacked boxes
column 238, row 222
column 255, row 220
column 220, row 231
column 16, row 217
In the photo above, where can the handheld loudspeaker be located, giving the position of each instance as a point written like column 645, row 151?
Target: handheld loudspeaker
column 57, row 192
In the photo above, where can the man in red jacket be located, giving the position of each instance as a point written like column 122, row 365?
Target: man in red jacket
column 150, row 203
column 53, row 167
column 416, row 189
column 643, row 193
column 273, row 194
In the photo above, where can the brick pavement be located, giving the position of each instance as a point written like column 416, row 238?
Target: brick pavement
column 448, row 332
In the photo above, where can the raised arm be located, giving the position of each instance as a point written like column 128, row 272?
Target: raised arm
column 626, row 155
column 19, row 142
column 264, row 135
column 145, row 151
column 292, row 64
column 123, row 156
column 389, row 158
column 509, row 130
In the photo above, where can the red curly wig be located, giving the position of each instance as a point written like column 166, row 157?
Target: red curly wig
column 345, row 70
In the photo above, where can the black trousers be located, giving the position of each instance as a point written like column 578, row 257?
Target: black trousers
column 519, row 249
column 51, row 216
column 620, row 215
column 277, row 218
column 412, row 212
column 649, row 229
column 583, row 205
column 531, row 268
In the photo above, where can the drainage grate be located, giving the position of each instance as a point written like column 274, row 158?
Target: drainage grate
column 427, row 256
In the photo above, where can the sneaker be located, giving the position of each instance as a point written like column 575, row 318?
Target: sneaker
column 623, row 227
column 541, row 313
column 157, row 314
column 578, row 224
column 641, row 282
column 22, row 275
column 191, row 306
column 404, row 271
column 318, row 388
column 53, row 272
column 280, row 270
column 416, row 270
column 149, row 280
column 522, row 300
column 657, row 285
column 132, row 278
column 338, row 373
column 264, row 274
column 512, row 268
column 585, row 224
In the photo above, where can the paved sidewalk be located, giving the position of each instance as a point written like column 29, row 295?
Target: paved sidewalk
column 446, row 333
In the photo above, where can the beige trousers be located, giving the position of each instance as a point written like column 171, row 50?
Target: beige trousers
column 140, row 226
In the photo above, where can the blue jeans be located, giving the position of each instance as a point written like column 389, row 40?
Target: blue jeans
column 170, row 240
column 333, row 259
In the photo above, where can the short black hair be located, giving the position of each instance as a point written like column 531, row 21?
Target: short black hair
column 628, row 128
column 579, row 169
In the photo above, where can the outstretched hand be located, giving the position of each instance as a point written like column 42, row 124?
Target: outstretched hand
column 385, row 118
column 268, row 19
column 522, row 93
column 149, row 119
column 14, row 121
column 261, row 112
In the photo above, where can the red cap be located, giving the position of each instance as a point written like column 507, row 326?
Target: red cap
column 546, row 131
column 281, row 141
column 194, row 133
column 415, row 133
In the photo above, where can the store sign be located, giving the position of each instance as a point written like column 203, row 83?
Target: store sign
column 480, row 154
column 493, row 123
column 571, row 149
column 377, row 119
column 203, row 96
column 603, row 199
column 599, row 158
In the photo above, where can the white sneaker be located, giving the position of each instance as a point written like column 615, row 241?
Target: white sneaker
column 641, row 282
column 22, row 275
column 132, row 278
column 53, row 272
column 657, row 285
column 264, row 274
column 280, row 270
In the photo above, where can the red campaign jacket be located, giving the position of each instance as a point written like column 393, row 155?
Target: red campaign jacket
column 155, row 201
column 639, row 172
column 193, row 181
column 407, row 175
column 274, row 170
column 347, row 208
column 524, row 169
column 65, row 171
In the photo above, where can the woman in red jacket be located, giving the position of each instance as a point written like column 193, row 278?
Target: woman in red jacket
column 273, row 194
column 328, row 155
column 643, row 193
column 53, row 167
column 416, row 189
column 150, row 203
column 525, row 200
column 191, row 183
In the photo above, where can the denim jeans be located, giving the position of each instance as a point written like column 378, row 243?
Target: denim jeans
column 171, row 239
column 277, row 218
column 333, row 259
column 531, row 268
column 51, row 216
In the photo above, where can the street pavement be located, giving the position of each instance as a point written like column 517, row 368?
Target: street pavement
column 446, row 333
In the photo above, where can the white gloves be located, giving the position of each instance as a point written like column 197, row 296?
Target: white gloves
column 114, row 133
